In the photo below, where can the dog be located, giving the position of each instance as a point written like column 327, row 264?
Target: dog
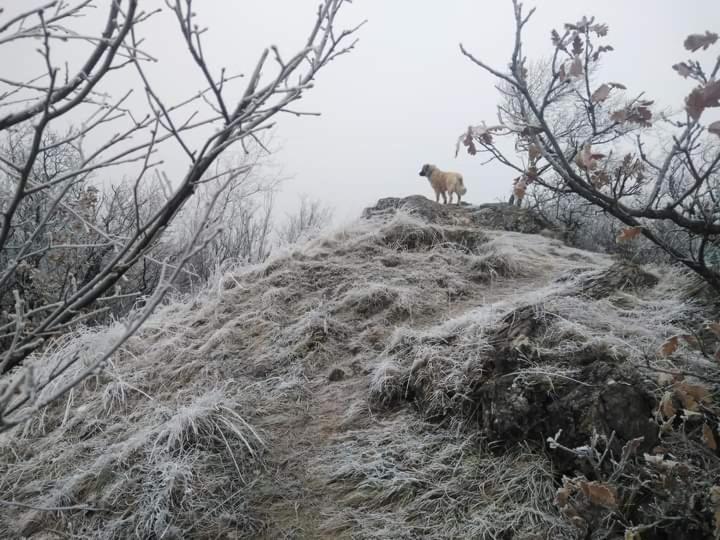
column 444, row 182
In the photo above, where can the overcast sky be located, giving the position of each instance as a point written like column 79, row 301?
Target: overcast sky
column 405, row 94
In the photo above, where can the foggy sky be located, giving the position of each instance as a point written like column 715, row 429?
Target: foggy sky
column 406, row 93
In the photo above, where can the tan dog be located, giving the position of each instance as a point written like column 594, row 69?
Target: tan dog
column 444, row 182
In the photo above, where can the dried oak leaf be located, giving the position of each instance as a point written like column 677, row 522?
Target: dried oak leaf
column 576, row 68
column 629, row 233
column 666, row 407
column 557, row 40
column 600, row 29
column 534, row 152
column 562, row 496
column 691, row 395
column 587, row 159
column 697, row 391
column 691, row 341
column 581, row 25
column 577, row 45
column 619, row 116
column 670, row 346
column 709, row 437
column 529, row 131
column 600, row 494
column 703, row 97
column 562, row 74
column 714, row 128
column 601, row 94
column 683, row 69
column 600, row 50
column 695, row 42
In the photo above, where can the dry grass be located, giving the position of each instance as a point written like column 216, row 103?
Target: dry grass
column 218, row 420
column 406, row 479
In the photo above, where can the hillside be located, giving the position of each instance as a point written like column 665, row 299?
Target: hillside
column 399, row 378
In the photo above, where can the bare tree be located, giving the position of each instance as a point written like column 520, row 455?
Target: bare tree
column 242, row 216
column 310, row 217
column 577, row 136
column 221, row 115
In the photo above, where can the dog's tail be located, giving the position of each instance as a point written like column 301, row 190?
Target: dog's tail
column 463, row 189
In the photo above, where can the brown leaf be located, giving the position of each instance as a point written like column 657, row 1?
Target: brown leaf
column 631, row 447
column 709, row 437
column 529, row 131
column 534, row 152
column 670, row 346
column 562, row 75
column 667, row 408
column 714, row 128
column 619, row 116
column 557, row 40
column 696, row 391
column 601, row 94
column 600, row 494
column 629, row 233
column 703, row 97
column 600, row 29
column 601, row 49
column 695, row 42
column 618, row 85
column 639, row 114
column 576, row 68
column 711, row 93
column 577, row 45
column 562, row 495
column 689, row 403
column 587, row 159
column 683, row 69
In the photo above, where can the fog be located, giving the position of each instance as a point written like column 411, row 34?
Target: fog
column 405, row 94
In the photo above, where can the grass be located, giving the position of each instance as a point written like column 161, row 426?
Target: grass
column 218, row 420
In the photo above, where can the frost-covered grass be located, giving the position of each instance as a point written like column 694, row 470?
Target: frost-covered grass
column 405, row 479
column 157, row 471
column 440, row 365
column 218, row 420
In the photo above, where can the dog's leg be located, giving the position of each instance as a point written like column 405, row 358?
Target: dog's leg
column 437, row 196
column 444, row 194
column 451, row 194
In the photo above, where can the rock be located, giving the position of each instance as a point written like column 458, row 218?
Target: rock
column 509, row 218
column 490, row 216
column 336, row 375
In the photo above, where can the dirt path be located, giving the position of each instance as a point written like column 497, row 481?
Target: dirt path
column 332, row 408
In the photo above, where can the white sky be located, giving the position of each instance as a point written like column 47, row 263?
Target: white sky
column 405, row 94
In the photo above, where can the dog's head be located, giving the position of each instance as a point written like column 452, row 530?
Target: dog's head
column 425, row 171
